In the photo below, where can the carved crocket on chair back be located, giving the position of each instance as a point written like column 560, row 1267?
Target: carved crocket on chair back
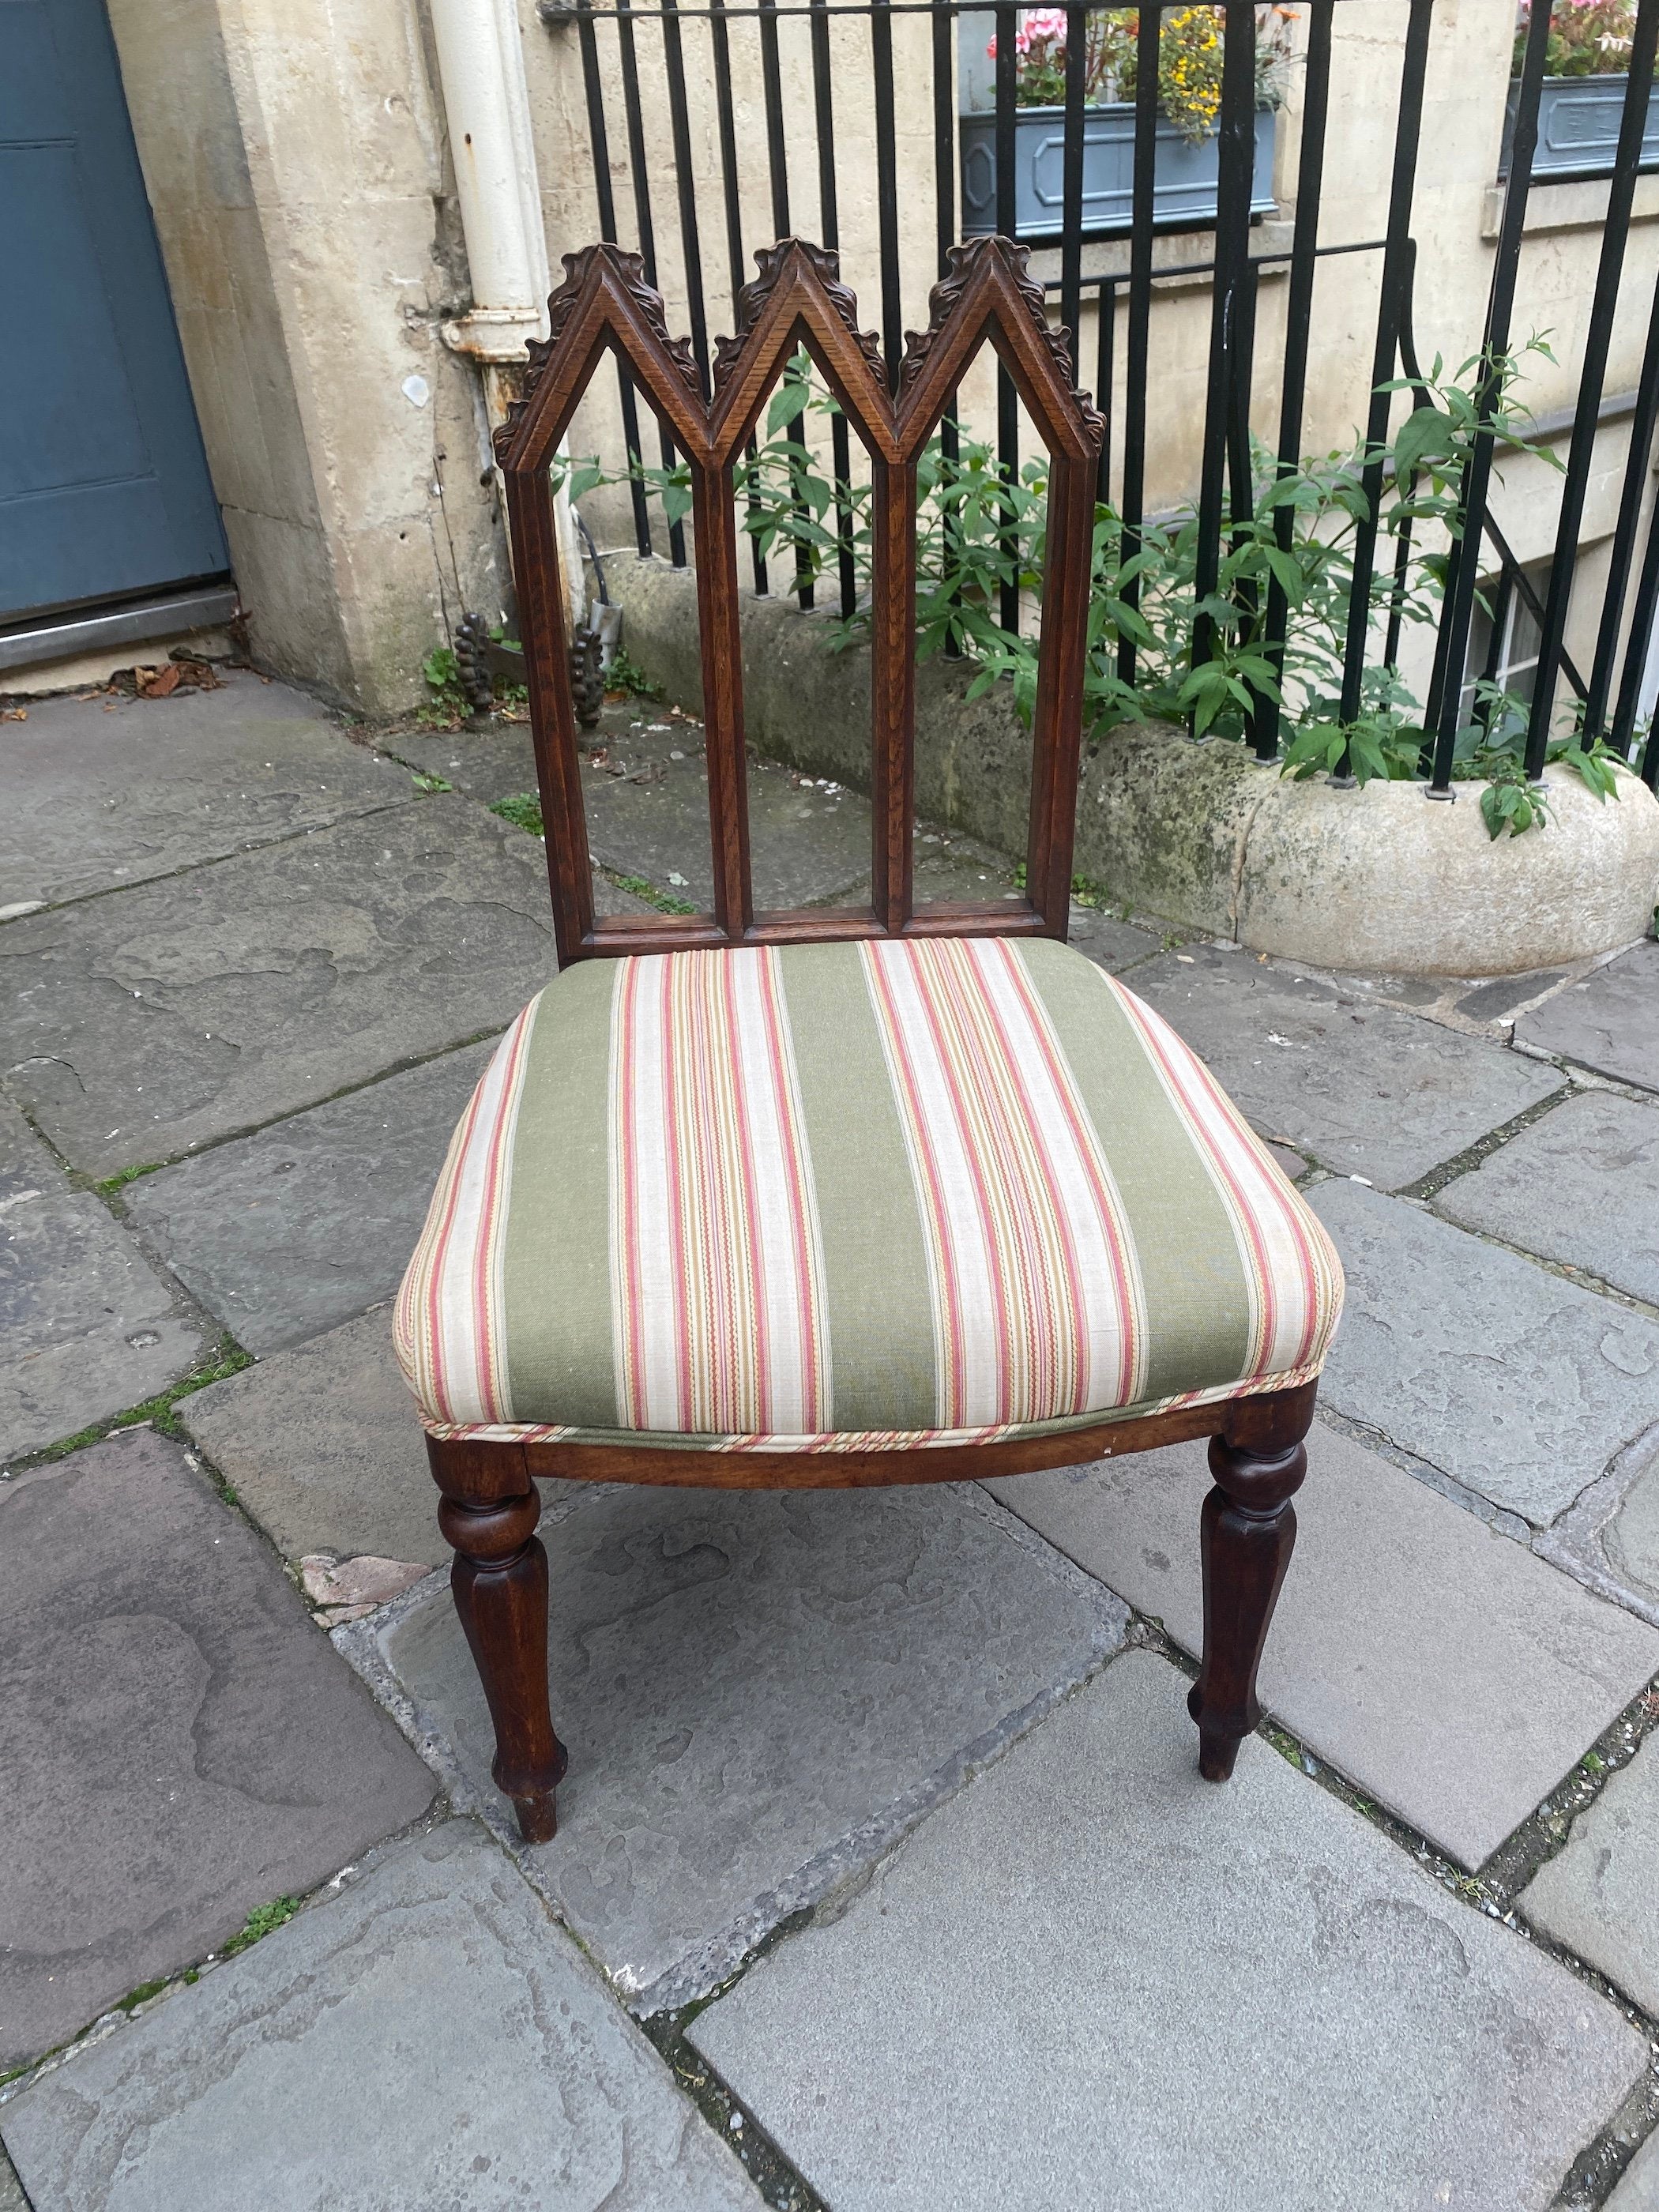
column 835, row 1197
column 797, row 300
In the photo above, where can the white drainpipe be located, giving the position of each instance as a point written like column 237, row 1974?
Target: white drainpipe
column 487, row 106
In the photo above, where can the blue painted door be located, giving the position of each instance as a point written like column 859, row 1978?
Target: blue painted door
column 104, row 487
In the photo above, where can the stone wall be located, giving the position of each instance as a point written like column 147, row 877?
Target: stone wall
column 295, row 162
column 1199, row 834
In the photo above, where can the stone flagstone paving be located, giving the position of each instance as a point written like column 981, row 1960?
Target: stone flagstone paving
column 181, row 1745
column 1437, row 1664
column 89, row 1327
column 1012, row 1951
column 427, row 2039
column 758, row 1692
column 1054, row 1980
column 1514, row 1381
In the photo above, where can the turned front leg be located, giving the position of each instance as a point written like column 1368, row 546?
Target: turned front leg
column 499, row 1579
column 1247, row 1532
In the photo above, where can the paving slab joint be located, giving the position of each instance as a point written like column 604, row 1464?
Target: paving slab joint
column 139, row 2004
column 1461, row 1163
column 1499, row 1517
column 782, row 2184
column 111, row 1185
column 212, row 860
column 227, row 1358
column 1493, row 1887
column 1596, row 2171
column 1548, row 1832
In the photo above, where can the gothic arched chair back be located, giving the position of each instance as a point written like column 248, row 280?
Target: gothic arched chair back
column 798, row 301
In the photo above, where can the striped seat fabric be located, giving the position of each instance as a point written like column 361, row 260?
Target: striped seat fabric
column 897, row 1193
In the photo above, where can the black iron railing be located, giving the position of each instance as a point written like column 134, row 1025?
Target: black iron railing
column 634, row 55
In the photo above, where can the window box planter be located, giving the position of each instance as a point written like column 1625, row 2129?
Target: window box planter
column 1578, row 125
column 1185, row 190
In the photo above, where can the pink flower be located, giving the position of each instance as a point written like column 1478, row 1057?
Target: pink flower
column 1037, row 27
column 1046, row 23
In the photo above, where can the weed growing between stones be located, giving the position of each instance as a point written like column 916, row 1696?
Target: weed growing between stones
column 665, row 902
column 227, row 1358
column 524, row 811
column 260, row 1922
column 126, row 1176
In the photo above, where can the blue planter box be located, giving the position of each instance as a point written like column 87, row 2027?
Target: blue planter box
column 1578, row 125
column 1186, row 174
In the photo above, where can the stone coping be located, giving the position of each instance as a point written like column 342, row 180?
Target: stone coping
column 1379, row 879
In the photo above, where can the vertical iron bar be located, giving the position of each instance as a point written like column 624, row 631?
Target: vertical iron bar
column 1500, row 617
column 1240, row 488
column 1298, row 323
column 599, row 146
column 1402, row 567
column 1624, row 536
column 892, row 317
column 829, row 225
column 1232, row 237
column 1458, row 608
column 1437, row 698
column 630, row 72
column 944, row 133
column 1140, row 315
column 1636, row 653
column 1604, row 307
column 1007, row 30
column 777, row 159
column 679, row 124
column 720, row 39
column 1008, row 397
column 1396, row 263
column 945, row 187
column 1396, row 268
column 727, row 115
column 1403, row 528
column 777, row 162
column 1071, row 227
column 1105, row 341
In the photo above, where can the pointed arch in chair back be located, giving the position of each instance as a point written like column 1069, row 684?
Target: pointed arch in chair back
column 797, row 300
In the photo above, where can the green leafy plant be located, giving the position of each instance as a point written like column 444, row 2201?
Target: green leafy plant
column 443, row 681
column 524, row 811
column 665, row 902
column 980, row 533
column 625, row 674
column 261, row 1922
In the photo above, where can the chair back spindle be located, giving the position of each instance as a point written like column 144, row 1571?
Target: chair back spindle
column 797, row 300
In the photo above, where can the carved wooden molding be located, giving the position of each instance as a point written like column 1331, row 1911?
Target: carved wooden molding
column 967, row 265
column 628, row 271
column 772, row 261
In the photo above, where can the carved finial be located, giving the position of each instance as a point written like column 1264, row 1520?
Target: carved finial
column 942, row 300
column 627, row 270
column 771, row 261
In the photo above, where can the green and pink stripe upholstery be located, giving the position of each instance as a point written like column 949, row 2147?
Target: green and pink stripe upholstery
column 828, row 1196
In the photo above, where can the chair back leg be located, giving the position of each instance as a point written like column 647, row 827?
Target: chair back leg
column 1247, row 1532
column 488, row 1513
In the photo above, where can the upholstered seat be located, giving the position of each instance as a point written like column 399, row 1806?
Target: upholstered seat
column 899, row 1192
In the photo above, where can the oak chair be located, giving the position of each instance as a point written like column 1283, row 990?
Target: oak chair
column 828, row 1196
